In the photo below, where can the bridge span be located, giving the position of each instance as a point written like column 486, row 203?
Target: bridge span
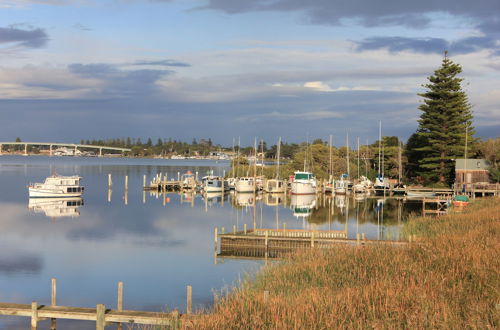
column 51, row 146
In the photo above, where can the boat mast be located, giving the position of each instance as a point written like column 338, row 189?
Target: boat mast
column 330, row 167
column 400, row 164
column 347, row 158
column 238, row 159
column 379, row 144
column 358, row 157
column 262, row 151
column 278, row 160
column 255, row 159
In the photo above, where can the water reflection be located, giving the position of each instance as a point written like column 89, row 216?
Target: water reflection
column 56, row 207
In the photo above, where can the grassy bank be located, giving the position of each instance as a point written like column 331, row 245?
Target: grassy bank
column 449, row 279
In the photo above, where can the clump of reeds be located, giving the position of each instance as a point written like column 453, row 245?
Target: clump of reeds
column 449, row 278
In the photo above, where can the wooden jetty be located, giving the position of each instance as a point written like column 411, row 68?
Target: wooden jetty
column 100, row 314
column 277, row 243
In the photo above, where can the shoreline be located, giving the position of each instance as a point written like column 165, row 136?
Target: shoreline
column 445, row 280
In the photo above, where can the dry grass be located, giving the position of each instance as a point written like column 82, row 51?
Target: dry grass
column 450, row 279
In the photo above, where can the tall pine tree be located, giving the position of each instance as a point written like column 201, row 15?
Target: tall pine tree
column 446, row 113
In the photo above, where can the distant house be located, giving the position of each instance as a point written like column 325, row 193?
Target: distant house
column 471, row 171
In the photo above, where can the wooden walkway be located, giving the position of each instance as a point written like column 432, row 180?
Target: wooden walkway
column 277, row 243
column 100, row 314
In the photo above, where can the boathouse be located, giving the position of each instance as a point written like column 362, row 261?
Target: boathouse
column 472, row 171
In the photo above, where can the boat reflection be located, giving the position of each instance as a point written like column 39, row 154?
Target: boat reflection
column 56, row 207
column 274, row 199
column 302, row 205
column 244, row 199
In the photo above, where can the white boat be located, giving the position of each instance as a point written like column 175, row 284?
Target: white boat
column 381, row 185
column 364, row 185
column 274, row 186
column 245, row 185
column 341, row 186
column 56, row 207
column 213, row 184
column 57, row 186
column 304, row 183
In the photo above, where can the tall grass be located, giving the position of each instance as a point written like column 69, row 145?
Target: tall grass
column 449, row 279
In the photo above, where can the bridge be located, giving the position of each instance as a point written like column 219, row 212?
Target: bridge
column 51, row 146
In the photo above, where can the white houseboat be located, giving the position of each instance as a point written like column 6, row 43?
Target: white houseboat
column 57, row 186
column 245, row 185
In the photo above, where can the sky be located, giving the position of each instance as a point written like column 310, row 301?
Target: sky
column 229, row 69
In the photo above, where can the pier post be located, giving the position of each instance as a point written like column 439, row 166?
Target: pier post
column 178, row 176
column 216, row 238
column 26, row 149
column 99, row 322
column 53, row 302
column 119, row 303
column 189, row 299
column 34, row 315
column 50, row 150
column 144, row 181
column 234, row 229
column 126, row 182
column 110, row 182
column 357, row 238
column 196, row 176
column 363, row 236
column 245, row 228
column 223, row 230
column 312, row 239
column 100, row 152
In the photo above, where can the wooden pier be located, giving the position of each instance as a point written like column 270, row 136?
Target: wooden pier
column 277, row 243
column 100, row 314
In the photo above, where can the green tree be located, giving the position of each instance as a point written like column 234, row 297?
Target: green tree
column 446, row 113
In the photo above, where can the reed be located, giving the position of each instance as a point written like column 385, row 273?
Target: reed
column 448, row 279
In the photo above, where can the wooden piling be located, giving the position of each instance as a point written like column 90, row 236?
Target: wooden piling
column 119, row 303
column 144, row 180
column 34, row 315
column 363, row 236
column 223, row 230
column 245, row 228
column 189, row 299
column 126, row 182
column 234, row 229
column 110, row 182
column 53, row 301
column 357, row 238
column 312, row 239
column 99, row 321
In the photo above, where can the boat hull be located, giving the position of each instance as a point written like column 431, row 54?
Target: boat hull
column 41, row 193
column 303, row 188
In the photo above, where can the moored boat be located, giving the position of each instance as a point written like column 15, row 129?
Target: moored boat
column 304, row 183
column 57, row 186
column 213, row 184
column 245, row 185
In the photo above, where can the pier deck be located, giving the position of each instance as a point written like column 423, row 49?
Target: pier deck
column 276, row 243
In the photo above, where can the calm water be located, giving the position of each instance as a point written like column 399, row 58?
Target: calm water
column 156, row 245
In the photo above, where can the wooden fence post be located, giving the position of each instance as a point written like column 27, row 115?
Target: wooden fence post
column 100, row 320
column 189, row 300
column 53, row 302
column 119, row 304
column 34, row 315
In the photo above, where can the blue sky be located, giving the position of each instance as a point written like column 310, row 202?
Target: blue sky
column 227, row 68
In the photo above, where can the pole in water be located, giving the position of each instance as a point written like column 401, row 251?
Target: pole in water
column 126, row 182
column 110, row 182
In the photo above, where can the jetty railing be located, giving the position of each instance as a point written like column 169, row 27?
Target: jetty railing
column 100, row 314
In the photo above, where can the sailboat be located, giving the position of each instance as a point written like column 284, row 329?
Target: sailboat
column 399, row 188
column 381, row 184
column 248, row 184
column 342, row 186
column 276, row 185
